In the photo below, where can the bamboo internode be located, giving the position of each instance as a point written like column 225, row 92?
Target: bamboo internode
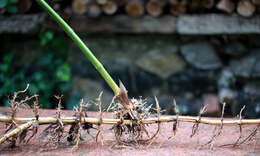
column 193, row 119
column 17, row 130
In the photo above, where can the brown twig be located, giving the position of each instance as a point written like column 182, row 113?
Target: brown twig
column 240, row 127
column 158, row 122
column 35, row 124
column 100, row 120
column 240, row 130
column 250, row 136
column 195, row 127
column 111, row 103
column 175, row 123
column 213, row 138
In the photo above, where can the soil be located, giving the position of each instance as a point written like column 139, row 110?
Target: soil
column 180, row 144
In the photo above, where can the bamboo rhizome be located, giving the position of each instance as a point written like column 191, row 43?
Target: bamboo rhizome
column 131, row 116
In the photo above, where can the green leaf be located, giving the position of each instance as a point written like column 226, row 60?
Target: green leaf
column 12, row 9
column 3, row 3
column 45, row 37
column 63, row 73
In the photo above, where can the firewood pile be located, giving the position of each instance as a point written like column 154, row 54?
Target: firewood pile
column 155, row 8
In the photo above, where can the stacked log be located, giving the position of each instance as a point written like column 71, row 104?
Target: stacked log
column 156, row 8
column 24, row 5
column 208, row 4
column 135, row 8
column 177, row 7
column 110, row 7
column 245, row 8
column 94, row 9
column 227, row 6
column 79, row 6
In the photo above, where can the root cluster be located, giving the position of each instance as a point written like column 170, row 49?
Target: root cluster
column 130, row 123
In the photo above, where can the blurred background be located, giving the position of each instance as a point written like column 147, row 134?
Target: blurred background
column 196, row 51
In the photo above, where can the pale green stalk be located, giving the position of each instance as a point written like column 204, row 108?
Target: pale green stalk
column 81, row 45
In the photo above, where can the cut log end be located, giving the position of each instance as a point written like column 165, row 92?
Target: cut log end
column 79, row 7
column 24, row 5
column 94, row 10
column 246, row 8
column 135, row 8
column 208, row 4
column 226, row 6
column 178, row 10
column 110, row 8
column 154, row 8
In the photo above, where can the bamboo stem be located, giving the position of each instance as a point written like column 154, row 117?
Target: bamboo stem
column 193, row 119
column 16, row 131
column 82, row 46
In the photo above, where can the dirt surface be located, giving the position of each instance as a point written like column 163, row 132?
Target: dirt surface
column 180, row 144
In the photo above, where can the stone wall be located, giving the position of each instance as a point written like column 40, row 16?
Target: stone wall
column 196, row 70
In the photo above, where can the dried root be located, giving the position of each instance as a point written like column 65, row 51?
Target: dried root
column 76, row 128
column 13, row 131
column 100, row 120
column 175, row 124
column 131, row 118
column 53, row 134
column 35, row 125
column 158, row 122
column 195, row 127
column 216, row 134
column 131, row 135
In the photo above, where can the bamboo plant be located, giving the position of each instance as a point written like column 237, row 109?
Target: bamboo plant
column 130, row 115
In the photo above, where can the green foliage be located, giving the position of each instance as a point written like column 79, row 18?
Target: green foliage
column 7, row 79
column 45, row 37
column 9, row 6
column 52, row 77
column 49, row 75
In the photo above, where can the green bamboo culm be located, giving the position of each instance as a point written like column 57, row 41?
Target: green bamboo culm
column 82, row 46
